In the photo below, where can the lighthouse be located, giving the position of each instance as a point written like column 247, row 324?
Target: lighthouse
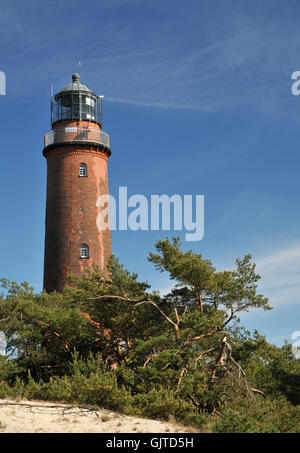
column 77, row 152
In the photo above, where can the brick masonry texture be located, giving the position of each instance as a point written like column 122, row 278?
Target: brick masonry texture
column 71, row 212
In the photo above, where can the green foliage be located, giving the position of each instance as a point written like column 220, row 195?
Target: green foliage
column 199, row 283
column 161, row 404
column 89, row 382
column 108, row 341
column 265, row 416
column 274, row 370
column 41, row 330
column 9, row 370
column 194, row 275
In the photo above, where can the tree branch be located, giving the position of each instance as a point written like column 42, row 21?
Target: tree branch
column 182, row 373
column 199, row 337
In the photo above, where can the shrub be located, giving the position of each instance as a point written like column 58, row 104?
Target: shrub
column 265, row 416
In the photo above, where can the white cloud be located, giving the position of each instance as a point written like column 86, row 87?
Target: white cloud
column 280, row 272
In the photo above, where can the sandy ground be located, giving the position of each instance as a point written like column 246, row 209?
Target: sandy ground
column 48, row 417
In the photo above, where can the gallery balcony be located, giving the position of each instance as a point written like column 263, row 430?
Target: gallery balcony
column 76, row 134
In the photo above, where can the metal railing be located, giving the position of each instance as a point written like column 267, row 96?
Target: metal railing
column 76, row 134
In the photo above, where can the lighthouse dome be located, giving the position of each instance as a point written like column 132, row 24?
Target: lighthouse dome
column 76, row 85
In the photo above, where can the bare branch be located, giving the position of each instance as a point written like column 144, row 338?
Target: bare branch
column 199, row 337
column 220, row 360
column 123, row 298
column 177, row 317
column 182, row 373
column 148, row 359
column 195, row 403
column 231, row 315
column 258, row 391
column 203, row 353
column 4, row 319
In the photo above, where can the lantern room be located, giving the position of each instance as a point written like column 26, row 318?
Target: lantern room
column 76, row 102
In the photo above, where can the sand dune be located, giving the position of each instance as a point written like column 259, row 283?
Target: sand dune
column 49, row 417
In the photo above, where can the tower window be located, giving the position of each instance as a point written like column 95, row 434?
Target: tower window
column 84, row 251
column 83, row 170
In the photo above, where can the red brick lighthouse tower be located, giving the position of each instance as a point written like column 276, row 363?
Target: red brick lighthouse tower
column 77, row 152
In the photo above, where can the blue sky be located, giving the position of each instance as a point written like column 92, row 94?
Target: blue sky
column 197, row 101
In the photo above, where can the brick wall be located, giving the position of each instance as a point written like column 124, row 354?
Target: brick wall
column 71, row 212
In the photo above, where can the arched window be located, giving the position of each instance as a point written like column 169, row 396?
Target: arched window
column 84, row 251
column 82, row 170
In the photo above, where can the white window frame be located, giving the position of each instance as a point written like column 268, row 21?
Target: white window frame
column 83, row 170
column 84, row 251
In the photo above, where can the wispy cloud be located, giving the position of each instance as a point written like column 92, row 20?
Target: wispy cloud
column 280, row 273
column 243, row 61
